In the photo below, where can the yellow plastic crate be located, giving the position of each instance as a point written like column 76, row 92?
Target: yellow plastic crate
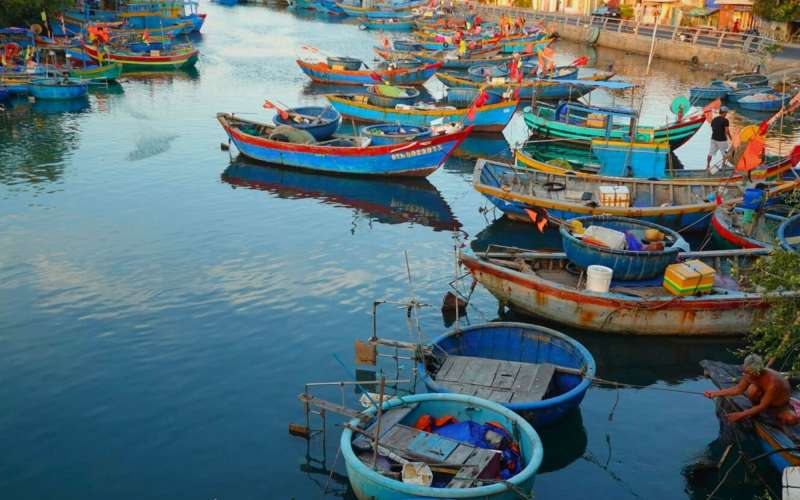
column 689, row 278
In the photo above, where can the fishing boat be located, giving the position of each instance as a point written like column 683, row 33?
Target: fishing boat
column 373, row 13
column 322, row 72
column 319, row 121
column 388, row 24
column 676, row 204
column 735, row 95
column 545, row 285
column 447, row 447
column 166, row 58
column 389, row 133
column 97, row 72
column 789, row 234
column 764, row 101
column 58, row 88
column 535, row 371
column 737, row 227
column 774, row 167
column 406, row 46
column 572, row 122
column 487, row 118
column 385, row 200
column 343, row 155
column 781, row 443
column 389, row 96
column 543, row 90
column 627, row 263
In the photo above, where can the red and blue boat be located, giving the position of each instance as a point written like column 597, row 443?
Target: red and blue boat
column 158, row 57
column 487, row 118
column 322, row 72
column 341, row 155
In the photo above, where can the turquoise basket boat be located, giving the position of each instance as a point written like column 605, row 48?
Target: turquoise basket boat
column 789, row 234
column 400, row 416
column 518, row 365
column 58, row 88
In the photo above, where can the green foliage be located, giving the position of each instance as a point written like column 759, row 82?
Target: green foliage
column 777, row 335
column 778, row 10
column 26, row 12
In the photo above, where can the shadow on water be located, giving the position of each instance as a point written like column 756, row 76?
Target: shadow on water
column 394, row 201
column 564, row 441
column 492, row 146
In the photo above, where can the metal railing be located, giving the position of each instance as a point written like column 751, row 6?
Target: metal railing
column 693, row 35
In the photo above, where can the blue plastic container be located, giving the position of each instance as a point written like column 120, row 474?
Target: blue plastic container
column 323, row 127
column 753, row 198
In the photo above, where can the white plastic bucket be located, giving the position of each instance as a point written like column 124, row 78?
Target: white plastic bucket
column 598, row 278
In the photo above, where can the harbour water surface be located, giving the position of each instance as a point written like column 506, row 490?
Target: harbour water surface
column 161, row 306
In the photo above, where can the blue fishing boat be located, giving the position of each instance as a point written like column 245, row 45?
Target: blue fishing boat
column 463, row 416
column 738, row 227
column 322, row 72
column 407, row 45
column 387, row 201
column 291, row 147
column 348, row 63
column 709, row 93
column 488, row 118
column 535, row 371
column 58, row 88
column 677, row 204
column 462, row 97
column 319, row 121
column 5, row 93
column 542, row 90
column 394, row 10
column 628, row 264
column 388, row 24
column 789, row 234
column 388, row 133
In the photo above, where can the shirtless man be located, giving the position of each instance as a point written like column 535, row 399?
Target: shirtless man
column 767, row 389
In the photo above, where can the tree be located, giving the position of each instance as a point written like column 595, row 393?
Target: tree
column 26, row 12
column 778, row 10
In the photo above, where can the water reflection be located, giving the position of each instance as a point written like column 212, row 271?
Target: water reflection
column 509, row 233
column 35, row 139
column 563, row 442
column 385, row 201
column 493, row 146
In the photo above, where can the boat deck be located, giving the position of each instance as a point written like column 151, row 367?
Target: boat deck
column 496, row 380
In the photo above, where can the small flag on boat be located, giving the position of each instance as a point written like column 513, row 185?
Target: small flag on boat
column 269, row 105
column 752, row 156
column 532, row 214
column 581, row 61
column 376, row 77
column 542, row 224
column 146, row 37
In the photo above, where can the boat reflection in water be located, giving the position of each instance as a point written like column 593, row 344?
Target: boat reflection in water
column 54, row 107
column 509, row 233
column 564, row 442
column 386, row 201
column 492, row 146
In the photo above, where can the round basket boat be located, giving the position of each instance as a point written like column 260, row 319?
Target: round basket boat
column 389, row 96
column 321, row 122
column 388, row 133
column 549, row 362
column 58, row 88
column 751, row 79
column 789, row 234
column 403, row 413
column 481, row 72
column 348, row 63
column 628, row 265
column 463, row 97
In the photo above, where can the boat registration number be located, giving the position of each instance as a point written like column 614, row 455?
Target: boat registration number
column 417, row 152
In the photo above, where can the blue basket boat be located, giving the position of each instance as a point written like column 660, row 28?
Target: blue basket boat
column 709, row 93
column 58, row 88
column 464, row 96
column 756, row 102
column 789, row 234
column 735, row 95
column 744, row 80
column 398, row 431
column 348, row 63
column 389, row 96
column 388, row 133
column 530, row 369
column 627, row 265
column 321, row 122
column 481, row 72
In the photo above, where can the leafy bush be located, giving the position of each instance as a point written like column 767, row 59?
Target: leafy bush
column 778, row 10
column 26, row 12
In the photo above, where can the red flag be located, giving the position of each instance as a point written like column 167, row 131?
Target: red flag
column 376, row 77
column 268, row 105
column 581, row 61
column 718, row 199
column 542, row 224
column 532, row 214
column 763, row 127
column 516, row 93
column 752, row 156
column 529, row 48
column 481, row 99
column 146, row 37
column 471, row 112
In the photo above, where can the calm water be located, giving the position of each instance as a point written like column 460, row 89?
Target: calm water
column 161, row 308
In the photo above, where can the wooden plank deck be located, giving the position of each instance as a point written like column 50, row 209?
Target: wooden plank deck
column 494, row 379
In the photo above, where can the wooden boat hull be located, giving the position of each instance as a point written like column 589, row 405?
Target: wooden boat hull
column 720, row 315
column 676, row 134
column 387, row 26
column 528, row 343
column 369, row 484
column 102, row 73
column 727, row 236
column 414, row 159
column 322, row 73
column 490, row 118
column 130, row 62
column 352, row 10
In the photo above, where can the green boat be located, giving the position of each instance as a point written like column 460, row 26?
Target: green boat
column 578, row 124
column 103, row 73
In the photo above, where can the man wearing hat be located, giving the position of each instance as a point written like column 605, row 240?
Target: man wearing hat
column 720, row 135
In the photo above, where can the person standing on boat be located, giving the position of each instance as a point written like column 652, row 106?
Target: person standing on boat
column 768, row 390
column 720, row 135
